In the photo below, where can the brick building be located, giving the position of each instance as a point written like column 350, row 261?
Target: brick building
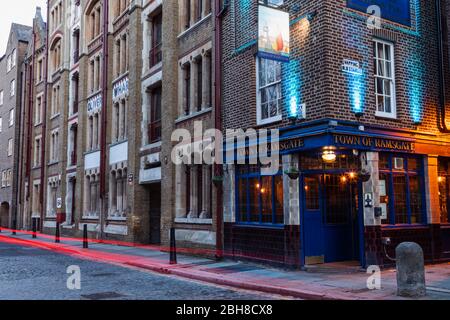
column 10, row 100
column 362, row 115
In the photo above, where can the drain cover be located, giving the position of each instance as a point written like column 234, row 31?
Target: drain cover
column 103, row 296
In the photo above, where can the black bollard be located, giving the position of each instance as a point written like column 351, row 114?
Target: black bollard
column 85, row 237
column 34, row 229
column 57, row 233
column 173, row 247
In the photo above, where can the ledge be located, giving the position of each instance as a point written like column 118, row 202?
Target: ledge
column 193, row 221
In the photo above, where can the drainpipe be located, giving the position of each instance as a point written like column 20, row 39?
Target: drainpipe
column 44, row 121
column 104, row 118
column 30, row 118
column 442, row 125
column 18, row 153
column 218, row 168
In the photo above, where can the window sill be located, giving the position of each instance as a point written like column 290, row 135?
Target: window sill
column 260, row 122
column 55, row 116
column 195, row 25
column 151, row 146
column 192, row 115
column 386, row 116
column 52, row 163
column 194, row 221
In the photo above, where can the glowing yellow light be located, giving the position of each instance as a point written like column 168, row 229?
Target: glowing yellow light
column 263, row 190
column 258, row 186
column 352, row 175
column 329, row 156
column 306, row 188
column 343, row 179
column 441, row 179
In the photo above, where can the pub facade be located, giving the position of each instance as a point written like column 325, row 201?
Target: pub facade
column 361, row 111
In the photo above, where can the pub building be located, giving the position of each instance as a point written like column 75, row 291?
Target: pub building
column 365, row 163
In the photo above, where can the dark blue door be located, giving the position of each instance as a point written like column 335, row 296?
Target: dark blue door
column 312, row 220
column 338, row 223
column 330, row 218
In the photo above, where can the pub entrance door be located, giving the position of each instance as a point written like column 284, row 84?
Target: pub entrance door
column 330, row 218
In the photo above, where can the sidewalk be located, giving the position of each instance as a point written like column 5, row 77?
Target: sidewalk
column 336, row 283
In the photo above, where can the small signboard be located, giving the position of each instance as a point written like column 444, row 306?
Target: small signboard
column 59, row 203
column 352, row 67
column 273, row 34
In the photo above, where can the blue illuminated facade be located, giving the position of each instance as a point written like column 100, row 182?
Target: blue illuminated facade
column 358, row 118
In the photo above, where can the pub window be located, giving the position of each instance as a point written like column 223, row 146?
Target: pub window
column 259, row 198
column 401, row 189
column 444, row 189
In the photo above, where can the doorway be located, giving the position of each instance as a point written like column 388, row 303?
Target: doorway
column 155, row 214
column 4, row 215
column 330, row 218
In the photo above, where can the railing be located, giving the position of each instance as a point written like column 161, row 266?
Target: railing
column 76, row 56
column 154, row 132
column 73, row 158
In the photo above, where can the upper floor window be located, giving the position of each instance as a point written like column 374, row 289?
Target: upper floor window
column 156, row 40
column 56, row 55
column 56, row 16
column 11, row 61
column 1, row 98
column 120, row 121
column 154, row 126
column 94, row 21
column 40, row 71
column 76, row 45
column 272, row 3
column 120, row 6
column 384, row 78
column 192, row 11
column 1, row 124
column 121, row 54
column 55, row 107
column 11, row 117
column 38, row 111
column 12, row 89
column 10, row 147
column 268, row 90
column 195, row 78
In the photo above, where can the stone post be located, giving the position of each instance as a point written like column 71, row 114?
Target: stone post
column 410, row 270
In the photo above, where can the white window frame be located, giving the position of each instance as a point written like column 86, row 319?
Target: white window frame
column 10, row 147
column 12, row 88
column 1, row 97
column 259, row 119
column 12, row 115
column 393, row 113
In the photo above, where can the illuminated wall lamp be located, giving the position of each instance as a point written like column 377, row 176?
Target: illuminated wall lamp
column 329, row 156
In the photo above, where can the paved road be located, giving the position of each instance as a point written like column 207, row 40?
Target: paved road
column 34, row 274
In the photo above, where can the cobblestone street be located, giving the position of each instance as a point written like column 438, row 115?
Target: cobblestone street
column 29, row 273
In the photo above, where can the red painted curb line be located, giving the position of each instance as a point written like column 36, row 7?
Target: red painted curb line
column 300, row 294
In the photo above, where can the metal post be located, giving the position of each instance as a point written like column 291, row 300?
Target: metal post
column 34, row 228
column 57, row 233
column 173, row 247
column 85, row 237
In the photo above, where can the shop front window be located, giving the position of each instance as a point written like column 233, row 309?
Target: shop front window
column 401, row 189
column 259, row 198
column 444, row 189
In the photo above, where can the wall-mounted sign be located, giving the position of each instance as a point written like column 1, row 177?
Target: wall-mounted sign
column 94, row 103
column 273, row 34
column 120, row 89
column 368, row 200
column 394, row 10
column 352, row 67
column 59, row 203
column 373, row 143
